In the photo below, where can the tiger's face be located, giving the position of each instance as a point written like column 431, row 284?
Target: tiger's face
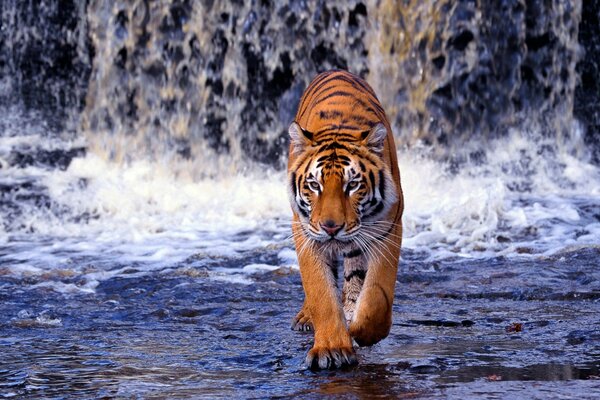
column 337, row 189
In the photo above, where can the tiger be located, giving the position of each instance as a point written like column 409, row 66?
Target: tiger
column 347, row 203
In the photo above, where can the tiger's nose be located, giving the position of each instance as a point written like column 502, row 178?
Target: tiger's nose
column 331, row 227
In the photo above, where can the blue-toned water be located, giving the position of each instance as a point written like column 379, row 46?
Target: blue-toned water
column 145, row 252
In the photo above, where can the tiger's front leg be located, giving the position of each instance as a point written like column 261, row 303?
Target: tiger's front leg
column 333, row 344
column 372, row 317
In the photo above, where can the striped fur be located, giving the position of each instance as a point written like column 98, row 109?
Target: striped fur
column 345, row 193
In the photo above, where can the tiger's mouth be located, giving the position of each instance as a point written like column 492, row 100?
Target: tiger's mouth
column 339, row 239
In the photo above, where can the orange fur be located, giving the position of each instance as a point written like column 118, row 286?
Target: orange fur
column 347, row 201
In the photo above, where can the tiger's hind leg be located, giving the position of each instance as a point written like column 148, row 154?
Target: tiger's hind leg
column 355, row 270
column 302, row 321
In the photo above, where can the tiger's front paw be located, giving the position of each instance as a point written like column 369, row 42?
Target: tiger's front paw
column 368, row 335
column 330, row 358
column 302, row 322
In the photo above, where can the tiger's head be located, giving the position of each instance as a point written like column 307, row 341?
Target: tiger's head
column 340, row 190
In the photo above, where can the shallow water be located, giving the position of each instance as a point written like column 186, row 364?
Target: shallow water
column 177, row 332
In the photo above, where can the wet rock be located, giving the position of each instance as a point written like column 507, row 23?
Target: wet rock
column 581, row 336
column 59, row 158
column 424, row 369
column 442, row 323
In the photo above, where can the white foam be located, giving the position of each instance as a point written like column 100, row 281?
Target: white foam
column 235, row 278
column 61, row 287
column 27, row 318
column 259, row 268
column 288, row 256
column 466, row 214
column 141, row 215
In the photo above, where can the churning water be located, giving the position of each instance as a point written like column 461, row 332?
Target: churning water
column 139, row 260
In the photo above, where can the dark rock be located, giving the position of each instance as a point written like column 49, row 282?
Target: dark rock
column 60, row 159
column 424, row 369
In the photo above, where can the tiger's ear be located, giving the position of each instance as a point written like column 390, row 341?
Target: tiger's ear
column 374, row 139
column 299, row 137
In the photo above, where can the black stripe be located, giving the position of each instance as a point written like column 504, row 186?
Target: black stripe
column 339, row 137
column 331, row 144
column 337, row 128
column 376, row 210
column 372, row 179
column 356, row 83
column 337, row 93
column 304, row 158
column 307, row 167
column 317, row 89
column 334, row 145
column 315, row 92
column 381, row 185
column 377, row 106
column 362, row 104
column 389, row 230
column 293, row 184
column 317, row 80
column 331, row 78
column 306, row 133
column 362, row 166
column 366, row 87
column 311, row 86
column 359, row 119
column 353, row 253
column 303, row 212
column 336, row 135
column 359, row 273
column 330, row 114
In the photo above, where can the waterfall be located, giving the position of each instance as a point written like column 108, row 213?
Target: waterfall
column 214, row 85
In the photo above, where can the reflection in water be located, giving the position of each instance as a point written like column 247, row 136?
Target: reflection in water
column 372, row 380
column 536, row 372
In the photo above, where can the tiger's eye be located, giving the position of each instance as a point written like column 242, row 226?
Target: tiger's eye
column 352, row 185
column 314, row 186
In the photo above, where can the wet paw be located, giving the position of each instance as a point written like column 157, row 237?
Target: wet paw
column 302, row 322
column 330, row 358
column 364, row 336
